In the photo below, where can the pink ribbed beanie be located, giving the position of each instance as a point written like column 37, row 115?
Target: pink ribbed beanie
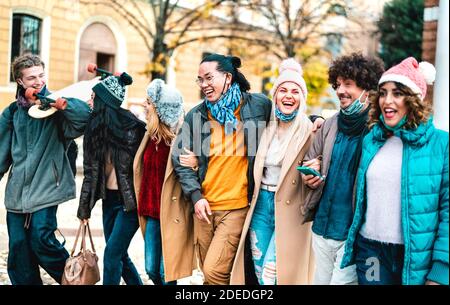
column 411, row 74
column 290, row 71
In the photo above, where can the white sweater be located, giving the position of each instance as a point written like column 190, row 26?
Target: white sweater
column 272, row 169
column 383, row 216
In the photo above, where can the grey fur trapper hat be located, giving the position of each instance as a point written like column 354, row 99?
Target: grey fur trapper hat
column 167, row 100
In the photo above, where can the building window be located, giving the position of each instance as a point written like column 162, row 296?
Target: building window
column 26, row 36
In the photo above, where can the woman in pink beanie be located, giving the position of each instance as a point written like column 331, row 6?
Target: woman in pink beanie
column 279, row 243
column 399, row 233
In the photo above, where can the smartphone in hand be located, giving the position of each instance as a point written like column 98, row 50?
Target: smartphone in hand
column 308, row 171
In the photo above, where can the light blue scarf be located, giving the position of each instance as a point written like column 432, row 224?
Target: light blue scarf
column 223, row 110
column 285, row 117
column 354, row 107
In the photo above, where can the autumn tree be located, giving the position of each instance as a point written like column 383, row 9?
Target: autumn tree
column 297, row 29
column 166, row 28
column 296, row 24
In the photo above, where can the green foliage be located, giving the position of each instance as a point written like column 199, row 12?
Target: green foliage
column 401, row 28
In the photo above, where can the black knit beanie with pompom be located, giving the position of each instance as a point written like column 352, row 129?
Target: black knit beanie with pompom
column 111, row 90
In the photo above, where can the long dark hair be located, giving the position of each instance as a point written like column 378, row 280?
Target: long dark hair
column 106, row 130
column 230, row 64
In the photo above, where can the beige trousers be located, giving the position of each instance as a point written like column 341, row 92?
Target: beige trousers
column 216, row 243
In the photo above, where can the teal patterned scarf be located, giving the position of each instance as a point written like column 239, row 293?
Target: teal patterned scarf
column 285, row 117
column 223, row 110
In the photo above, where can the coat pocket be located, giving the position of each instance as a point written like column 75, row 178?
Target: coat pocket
column 225, row 260
column 55, row 173
column 11, row 172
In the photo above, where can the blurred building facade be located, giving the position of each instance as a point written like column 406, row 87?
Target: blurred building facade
column 68, row 35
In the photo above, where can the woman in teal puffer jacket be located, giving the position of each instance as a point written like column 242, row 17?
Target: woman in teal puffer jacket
column 399, row 233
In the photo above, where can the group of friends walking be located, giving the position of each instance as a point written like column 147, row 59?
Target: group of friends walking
column 218, row 188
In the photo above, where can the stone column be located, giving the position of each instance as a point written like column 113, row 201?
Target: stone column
column 441, row 89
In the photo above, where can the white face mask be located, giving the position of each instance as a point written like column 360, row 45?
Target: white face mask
column 356, row 106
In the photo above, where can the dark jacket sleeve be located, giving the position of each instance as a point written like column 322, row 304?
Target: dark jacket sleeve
column 188, row 178
column 267, row 104
column 87, row 195
column 124, row 166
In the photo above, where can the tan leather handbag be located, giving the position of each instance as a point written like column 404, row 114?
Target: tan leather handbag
column 82, row 269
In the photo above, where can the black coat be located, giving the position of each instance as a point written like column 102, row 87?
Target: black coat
column 94, row 183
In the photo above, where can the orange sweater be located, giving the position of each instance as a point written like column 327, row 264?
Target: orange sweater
column 225, row 184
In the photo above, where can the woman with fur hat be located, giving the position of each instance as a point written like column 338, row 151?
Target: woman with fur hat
column 279, row 243
column 164, row 109
column 399, row 233
column 111, row 140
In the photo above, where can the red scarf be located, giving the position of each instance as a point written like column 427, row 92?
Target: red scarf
column 154, row 164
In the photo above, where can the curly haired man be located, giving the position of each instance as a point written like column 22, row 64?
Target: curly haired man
column 335, row 153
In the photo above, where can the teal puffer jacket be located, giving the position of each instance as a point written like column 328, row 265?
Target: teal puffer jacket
column 424, row 199
column 33, row 150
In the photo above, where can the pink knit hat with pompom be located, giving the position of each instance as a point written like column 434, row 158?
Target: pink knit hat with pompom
column 411, row 74
column 290, row 71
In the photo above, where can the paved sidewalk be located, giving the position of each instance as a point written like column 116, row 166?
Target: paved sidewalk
column 68, row 224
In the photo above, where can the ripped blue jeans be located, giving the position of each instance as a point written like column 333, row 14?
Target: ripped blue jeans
column 262, row 238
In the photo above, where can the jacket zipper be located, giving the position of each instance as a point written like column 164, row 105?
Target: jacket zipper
column 11, row 172
column 404, row 207
column 55, row 173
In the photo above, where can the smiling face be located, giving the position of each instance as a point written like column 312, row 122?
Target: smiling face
column 347, row 91
column 148, row 106
column 212, row 82
column 392, row 104
column 33, row 77
column 288, row 97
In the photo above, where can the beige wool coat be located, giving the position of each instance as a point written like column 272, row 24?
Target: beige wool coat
column 177, row 229
column 294, row 255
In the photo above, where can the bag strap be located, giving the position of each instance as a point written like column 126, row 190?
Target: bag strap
column 83, row 229
column 83, row 239
column 76, row 240
column 90, row 237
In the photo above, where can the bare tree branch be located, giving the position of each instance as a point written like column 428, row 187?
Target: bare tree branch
column 141, row 15
column 193, row 20
column 120, row 7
